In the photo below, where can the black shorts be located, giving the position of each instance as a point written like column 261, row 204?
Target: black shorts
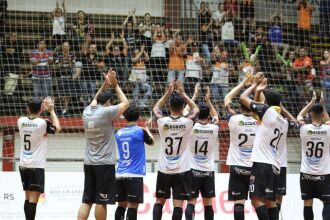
column 315, row 186
column 281, row 188
column 130, row 189
column 33, row 179
column 100, row 184
column 180, row 183
column 239, row 181
column 202, row 182
column 264, row 181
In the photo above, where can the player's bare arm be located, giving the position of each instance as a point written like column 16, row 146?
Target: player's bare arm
column 235, row 91
column 162, row 101
column 192, row 105
column 304, row 111
column 146, row 127
column 105, row 86
column 244, row 98
column 326, row 117
column 48, row 104
column 197, row 92
column 123, row 101
column 213, row 112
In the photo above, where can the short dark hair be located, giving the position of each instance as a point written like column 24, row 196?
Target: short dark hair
column 317, row 109
column 204, row 111
column 132, row 113
column 34, row 105
column 104, row 97
column 273, row 98
column 40, row 40
column 244, row 108
column 176, row 102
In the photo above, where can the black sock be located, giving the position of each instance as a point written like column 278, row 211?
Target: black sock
column 31, row 210
column 190, row 211
column 120, row 213
column 262, row 213
column 208, row 212
column 26, row 206
column 131, row 214
column 326, row 211
column 278, row 205
column 308, row 213
column 157, row 212
column 239, row 211
column 177, row 213
column 272, row 212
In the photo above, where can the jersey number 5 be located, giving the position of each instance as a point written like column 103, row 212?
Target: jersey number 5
column 27, row 142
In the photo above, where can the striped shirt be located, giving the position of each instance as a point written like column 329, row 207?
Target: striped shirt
column 41, row 69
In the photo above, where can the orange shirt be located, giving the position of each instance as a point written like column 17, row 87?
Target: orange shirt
column 176, row 61
column 304, row 18
column 300, row 62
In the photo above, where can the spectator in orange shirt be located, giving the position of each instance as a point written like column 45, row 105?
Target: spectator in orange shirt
column 176, row 67
column 305, row 10
column 302, row 66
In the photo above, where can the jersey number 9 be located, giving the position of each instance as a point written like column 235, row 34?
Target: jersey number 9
column 125, row 148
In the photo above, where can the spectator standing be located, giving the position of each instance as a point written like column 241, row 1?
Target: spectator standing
column 325, row 76
column 158, row 55
column 324, row 18
column 205, row 22
column 246, row 13
column 231, row 6
column 12, row 53
column 221, row 70
column 176, row 68
column 116, row 57
column 82, row 30
column 58, row 33
column 228, row 30
column 194, row 67
column 68, row 70
column 145, row 29
column 91, row 66
column 139, row 77
column 305, row 10
column 218, row 15
column 41, row 59
column 275, row 33
column 130, row 33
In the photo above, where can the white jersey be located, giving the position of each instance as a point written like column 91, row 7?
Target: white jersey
column 175, row 135
column 271, row 134
column 227, row 31
column 59, row 26
column 315, row 143
column 203, row 141
column 33, row 133
column 242, row 134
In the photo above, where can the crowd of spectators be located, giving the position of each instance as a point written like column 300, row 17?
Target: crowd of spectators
column 222, row 45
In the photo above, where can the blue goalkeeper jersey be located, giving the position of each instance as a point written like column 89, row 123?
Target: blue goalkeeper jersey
column 132, row 160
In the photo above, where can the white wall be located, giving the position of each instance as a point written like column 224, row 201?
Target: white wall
column 155, row 7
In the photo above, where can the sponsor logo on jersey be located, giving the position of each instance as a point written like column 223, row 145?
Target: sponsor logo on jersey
column 235, row 193
column 247, row 123
column 167, row 127
column 28, row 125
column 196, row 131
column 310, row 132
column 268, row 190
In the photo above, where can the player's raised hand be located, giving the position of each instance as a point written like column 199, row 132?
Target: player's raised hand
column 313, row 100
column 263, row 85
column 170, row 88
column 258, row 78
column 208, row 95
column 248, row 79
column 197, row 89
column 48, row 104
column 179, row 87
column 112, row 78
column 148, row 123
column 322, row 99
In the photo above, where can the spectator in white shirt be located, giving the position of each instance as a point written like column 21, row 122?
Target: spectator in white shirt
column 58, row 33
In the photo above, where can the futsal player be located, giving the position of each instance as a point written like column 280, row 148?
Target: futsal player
column 269, row 141
column 100, row 154
column 242, row 130
column 33, row 132
column 174, row 173
column 315, row 162
column 131, row 165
